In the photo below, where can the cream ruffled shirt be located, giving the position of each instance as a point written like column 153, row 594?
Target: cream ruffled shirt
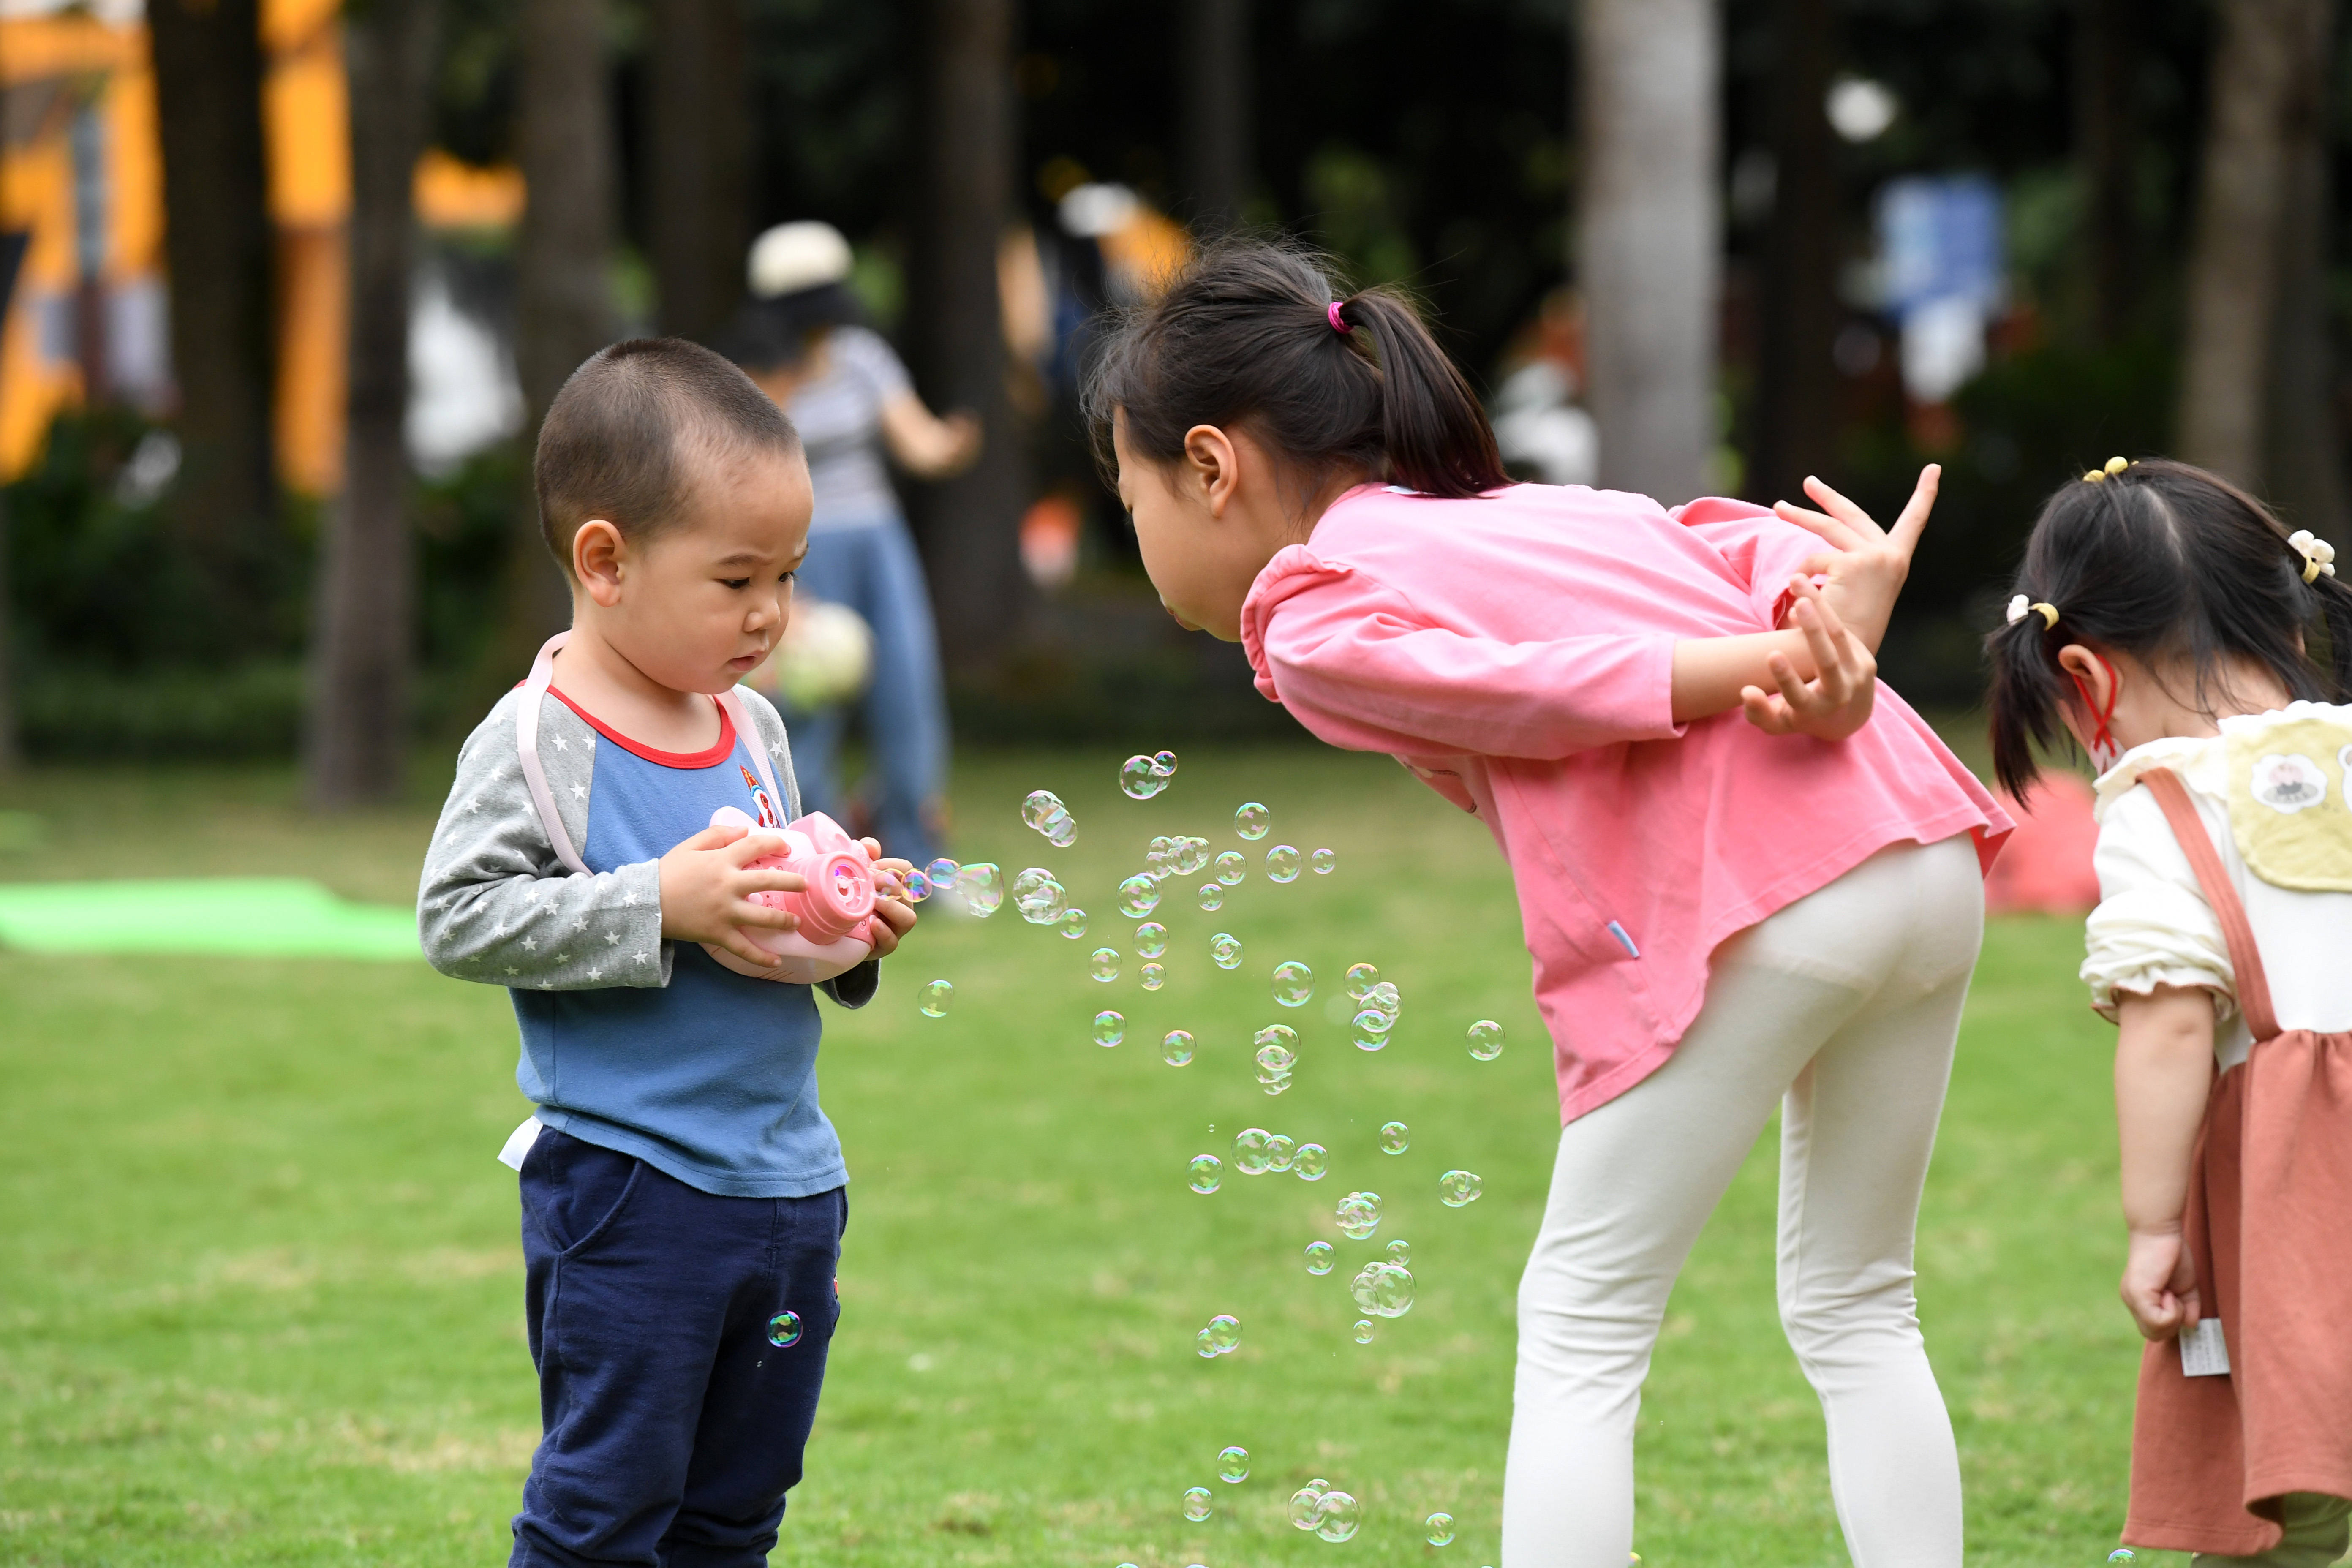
column 2153, row 926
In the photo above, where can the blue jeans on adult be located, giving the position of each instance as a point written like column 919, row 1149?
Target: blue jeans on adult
column 871, row 566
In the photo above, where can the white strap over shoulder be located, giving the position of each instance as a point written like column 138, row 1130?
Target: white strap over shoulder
column 534, row 776
column 732, row 699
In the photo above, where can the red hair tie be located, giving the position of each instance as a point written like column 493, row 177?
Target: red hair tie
column 1332, row 315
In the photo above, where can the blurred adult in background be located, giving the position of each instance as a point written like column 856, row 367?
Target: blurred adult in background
column 801, row 337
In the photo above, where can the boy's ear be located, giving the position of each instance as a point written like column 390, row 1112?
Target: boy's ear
column 598, row 557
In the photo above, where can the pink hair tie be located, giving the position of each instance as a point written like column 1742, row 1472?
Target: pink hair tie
column 1332, row 315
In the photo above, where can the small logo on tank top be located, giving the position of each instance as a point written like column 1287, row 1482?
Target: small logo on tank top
column 769, row 815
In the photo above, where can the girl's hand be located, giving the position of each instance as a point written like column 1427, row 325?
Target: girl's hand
column 1836, row 701
column 1867, row 564
column 2159, row 1284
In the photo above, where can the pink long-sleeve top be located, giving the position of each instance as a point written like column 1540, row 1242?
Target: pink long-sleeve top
column 1515, row 651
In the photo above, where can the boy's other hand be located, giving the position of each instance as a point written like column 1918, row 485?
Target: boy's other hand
column 1866, row 564
column 894, row 914
column 706, row 893
column 1837, row 701
column 2159, row 1284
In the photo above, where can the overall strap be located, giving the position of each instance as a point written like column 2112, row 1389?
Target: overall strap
column 534, row 776
column 2245, row 960
column 731, row 700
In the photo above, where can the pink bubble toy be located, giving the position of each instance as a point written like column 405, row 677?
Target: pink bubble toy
column 836, row 909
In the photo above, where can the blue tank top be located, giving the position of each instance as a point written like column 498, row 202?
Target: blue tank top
column 711, row 1078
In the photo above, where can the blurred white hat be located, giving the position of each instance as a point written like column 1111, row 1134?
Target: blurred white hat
column 791, row 256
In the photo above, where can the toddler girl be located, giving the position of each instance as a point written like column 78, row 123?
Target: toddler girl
column 1726, row 914
column 2166, row 621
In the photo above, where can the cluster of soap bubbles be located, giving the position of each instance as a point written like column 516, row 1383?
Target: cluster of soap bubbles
column 1333, row 1515
column 1277, row 1053
column 1383, row 1288
column 1221, row 1337
column 1141, row 777
column 1379, row 1004
column 1044, row 812
column 1359, row 1214
column 1257, row 1151
column 1225, row 950
column 1175, row 855
column 1041, row 899
column 1456, row 1188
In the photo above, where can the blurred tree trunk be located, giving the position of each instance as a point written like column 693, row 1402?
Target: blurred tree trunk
column 971, row 523
column 363, row 638
column 2304, row 449
column 698, row 142
column 2266, row 72
column 218, row 245
column 564, row 305
column 2106, row 135
column 1796, row 388
column 1647, row 237
column 1215, row 51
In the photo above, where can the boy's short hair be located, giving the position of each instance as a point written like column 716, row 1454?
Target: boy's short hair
column 612, row 442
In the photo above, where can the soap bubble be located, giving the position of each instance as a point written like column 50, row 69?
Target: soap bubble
column 1282, row 864
column 937, row 995
column 1274, row 1057
column 1458, row 1187
column 1371, row 1042
column 1225, row 1332
column 1306, row 1504
column 1385, row 996
column 1155, row 859
column 1190, row 856
column 1103, row 963
column 1140, row 780
column 1176, row 1048
column 942, row 873
column 1395, row 1137
column 2123, row 1555
column 1249, row 1150
column 1074, row 923
column 1340, row 1516
column 1364, row 1330
column 918, row 886
column 1276, row 1083
column 1441, row 1528
column 1231, row 868
column 1041, row 899
column 1382, row 1289
column 1323, row 860
column 1227, row 949
column 1318, row 1257
column 1044, row 812
column 1362, row 978
column 1213, row 897
column 1277, row 1041
column 1153, row 975
column 1164, row 763
column 1251, row 821
column 1485, row 1039
column 982, row 886
column 1372, row 1021
column 1205, row 1347
column 1311, row 1161
column 1359, row 1214
column 784, row 1330
column 1233, row 1464
column 1150, row 939
column 1294, row 984
column 1400, row 1251
column 1138, row 896
column 1196, row 1503
column 1280, row 1152
column 1109, row 1029
column 1205, row 1171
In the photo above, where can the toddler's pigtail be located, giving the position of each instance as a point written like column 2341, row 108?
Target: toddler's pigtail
column 2026, row 702
column 1436, row 436
column 2336, row 614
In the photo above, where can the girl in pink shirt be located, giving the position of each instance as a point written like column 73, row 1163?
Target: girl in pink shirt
column 1749, row 875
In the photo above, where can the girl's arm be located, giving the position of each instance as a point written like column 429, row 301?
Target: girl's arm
column 924, row 445
column 2164, row 1070
column 1821, row 679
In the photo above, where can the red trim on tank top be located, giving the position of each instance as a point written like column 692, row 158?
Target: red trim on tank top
column 717, row 755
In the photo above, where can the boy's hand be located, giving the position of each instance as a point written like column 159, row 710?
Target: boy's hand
column 1867, row 564
column 706, row 893
column 893, row 915
column 2159, row 1284
column 1836, row 701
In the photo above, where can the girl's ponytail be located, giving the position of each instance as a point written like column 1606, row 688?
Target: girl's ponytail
column 1436, row 436
column 1254, row 334
column 2335, row 597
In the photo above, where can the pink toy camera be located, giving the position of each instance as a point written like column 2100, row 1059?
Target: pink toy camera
column 836, row 909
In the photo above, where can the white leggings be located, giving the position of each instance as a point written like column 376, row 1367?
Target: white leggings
column 1842, row 1009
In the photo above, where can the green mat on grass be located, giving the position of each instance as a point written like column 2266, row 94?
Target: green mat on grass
column 240, row 917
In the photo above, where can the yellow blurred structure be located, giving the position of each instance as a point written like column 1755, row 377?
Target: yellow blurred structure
column 81, row 173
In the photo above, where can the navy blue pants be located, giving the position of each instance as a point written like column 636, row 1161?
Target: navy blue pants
column 672, row 1427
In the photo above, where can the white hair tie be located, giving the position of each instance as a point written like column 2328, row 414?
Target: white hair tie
column 2318, row 555
column 2021, row 606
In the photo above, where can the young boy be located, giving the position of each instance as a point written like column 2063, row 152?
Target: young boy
column 681, row 1190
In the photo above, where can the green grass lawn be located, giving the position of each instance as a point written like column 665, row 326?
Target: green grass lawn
column 261, row 1291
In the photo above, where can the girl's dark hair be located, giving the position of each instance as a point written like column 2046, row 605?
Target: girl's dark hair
column 776, row 333
column 1243, row 337
column 2175, row 566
